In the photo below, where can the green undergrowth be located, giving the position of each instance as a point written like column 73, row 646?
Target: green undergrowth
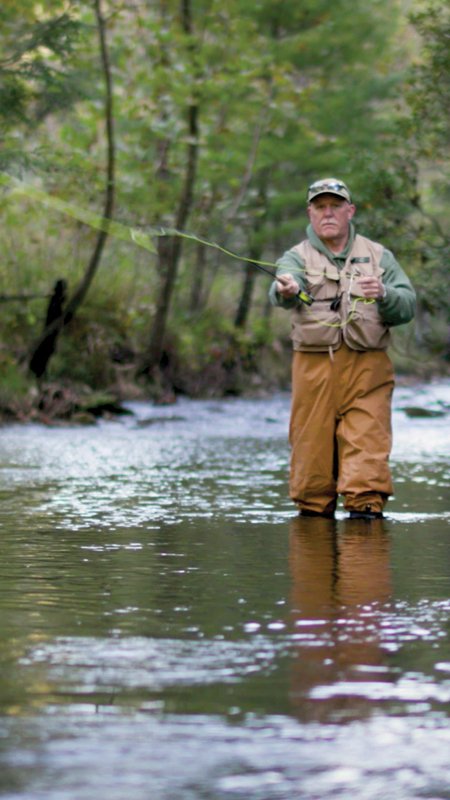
column 99, row 357
column 18, row 390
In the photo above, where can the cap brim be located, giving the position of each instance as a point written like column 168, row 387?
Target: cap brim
column 343, row 195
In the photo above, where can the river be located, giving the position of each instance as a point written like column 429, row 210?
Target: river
column 170, row 629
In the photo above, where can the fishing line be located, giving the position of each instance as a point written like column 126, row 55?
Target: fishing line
column 144, row 238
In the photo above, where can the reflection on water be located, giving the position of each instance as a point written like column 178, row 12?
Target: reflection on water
column 169, row 628
column 341, row 586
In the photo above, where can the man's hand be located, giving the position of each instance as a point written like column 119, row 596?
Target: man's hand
column 371, row 287
column 287, row 286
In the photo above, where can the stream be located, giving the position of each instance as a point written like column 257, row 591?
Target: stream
column 171, row 629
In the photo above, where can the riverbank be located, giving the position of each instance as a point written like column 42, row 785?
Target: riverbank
column 234, row 369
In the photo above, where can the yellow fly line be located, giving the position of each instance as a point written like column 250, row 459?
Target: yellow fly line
column 141, row 238
column 365, row 300
column 137, row 236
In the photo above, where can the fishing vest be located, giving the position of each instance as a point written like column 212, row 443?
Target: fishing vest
column 339, row 313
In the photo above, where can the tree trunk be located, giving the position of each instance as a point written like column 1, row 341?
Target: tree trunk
column 196, row 299
column 43, row 352
column 197, row 295
column 245, row 301
column 46, row 344
column 169, row 249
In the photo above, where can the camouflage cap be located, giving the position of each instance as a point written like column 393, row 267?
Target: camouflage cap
column 329, row 186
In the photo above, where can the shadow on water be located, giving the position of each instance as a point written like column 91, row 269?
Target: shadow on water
column 169, row 629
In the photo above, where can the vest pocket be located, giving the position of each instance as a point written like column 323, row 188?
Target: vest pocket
column 364, row 329
column 317, row 328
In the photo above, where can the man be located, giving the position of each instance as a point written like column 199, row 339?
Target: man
column 345, row 292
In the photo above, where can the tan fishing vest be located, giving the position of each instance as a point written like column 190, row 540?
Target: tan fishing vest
column 327, row 322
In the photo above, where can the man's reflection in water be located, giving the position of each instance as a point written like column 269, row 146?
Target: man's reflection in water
column 340, row 583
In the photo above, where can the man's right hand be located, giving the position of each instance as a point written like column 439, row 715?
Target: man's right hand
column 287, row 286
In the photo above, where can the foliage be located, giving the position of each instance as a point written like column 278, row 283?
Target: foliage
column 283, row 92
column 430, row 81
column 35, row 80
column 428, row 135
column 17, row 391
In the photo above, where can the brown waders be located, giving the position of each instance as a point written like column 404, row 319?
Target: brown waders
column 340, row 430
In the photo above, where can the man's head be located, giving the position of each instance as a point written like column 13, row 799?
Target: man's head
column 330, row 210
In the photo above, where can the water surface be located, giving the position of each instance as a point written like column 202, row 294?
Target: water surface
column 170, row 628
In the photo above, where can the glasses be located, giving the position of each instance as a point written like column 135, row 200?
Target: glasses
column 332, row 187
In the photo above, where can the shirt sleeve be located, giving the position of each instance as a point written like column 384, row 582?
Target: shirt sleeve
column 290, row 262
column 399, row 304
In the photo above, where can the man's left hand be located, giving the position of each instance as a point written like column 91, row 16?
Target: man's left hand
column 371, row 287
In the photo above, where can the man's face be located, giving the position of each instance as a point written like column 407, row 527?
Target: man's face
column 330, row 216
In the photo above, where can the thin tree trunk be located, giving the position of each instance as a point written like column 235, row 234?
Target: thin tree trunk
column 195, row 302
column 39, row 360
column 200, row 267
column 169, row 249
column 46, row 344
column 245, row 301
column 198, row 295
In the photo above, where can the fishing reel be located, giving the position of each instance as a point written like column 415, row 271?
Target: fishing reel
column 305, row 298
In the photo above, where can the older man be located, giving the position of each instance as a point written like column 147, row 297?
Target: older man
column 345, row 292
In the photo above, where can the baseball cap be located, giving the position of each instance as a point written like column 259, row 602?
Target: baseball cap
column 329, row 186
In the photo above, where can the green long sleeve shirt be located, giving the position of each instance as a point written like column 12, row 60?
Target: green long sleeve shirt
column 397, row 308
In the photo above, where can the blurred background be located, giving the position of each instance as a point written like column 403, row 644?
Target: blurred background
column 210, row 118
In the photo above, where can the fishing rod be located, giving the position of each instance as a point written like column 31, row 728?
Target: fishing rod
column 257, row 264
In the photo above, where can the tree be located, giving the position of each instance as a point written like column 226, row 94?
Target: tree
column 44, row 348
column 428, row 132
column 169, row 249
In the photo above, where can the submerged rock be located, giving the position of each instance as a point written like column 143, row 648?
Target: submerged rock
column 418, row 411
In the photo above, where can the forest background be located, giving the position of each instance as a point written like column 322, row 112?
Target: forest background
column 209, row 118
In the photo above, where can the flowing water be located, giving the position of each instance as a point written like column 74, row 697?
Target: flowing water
column 171, row 629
